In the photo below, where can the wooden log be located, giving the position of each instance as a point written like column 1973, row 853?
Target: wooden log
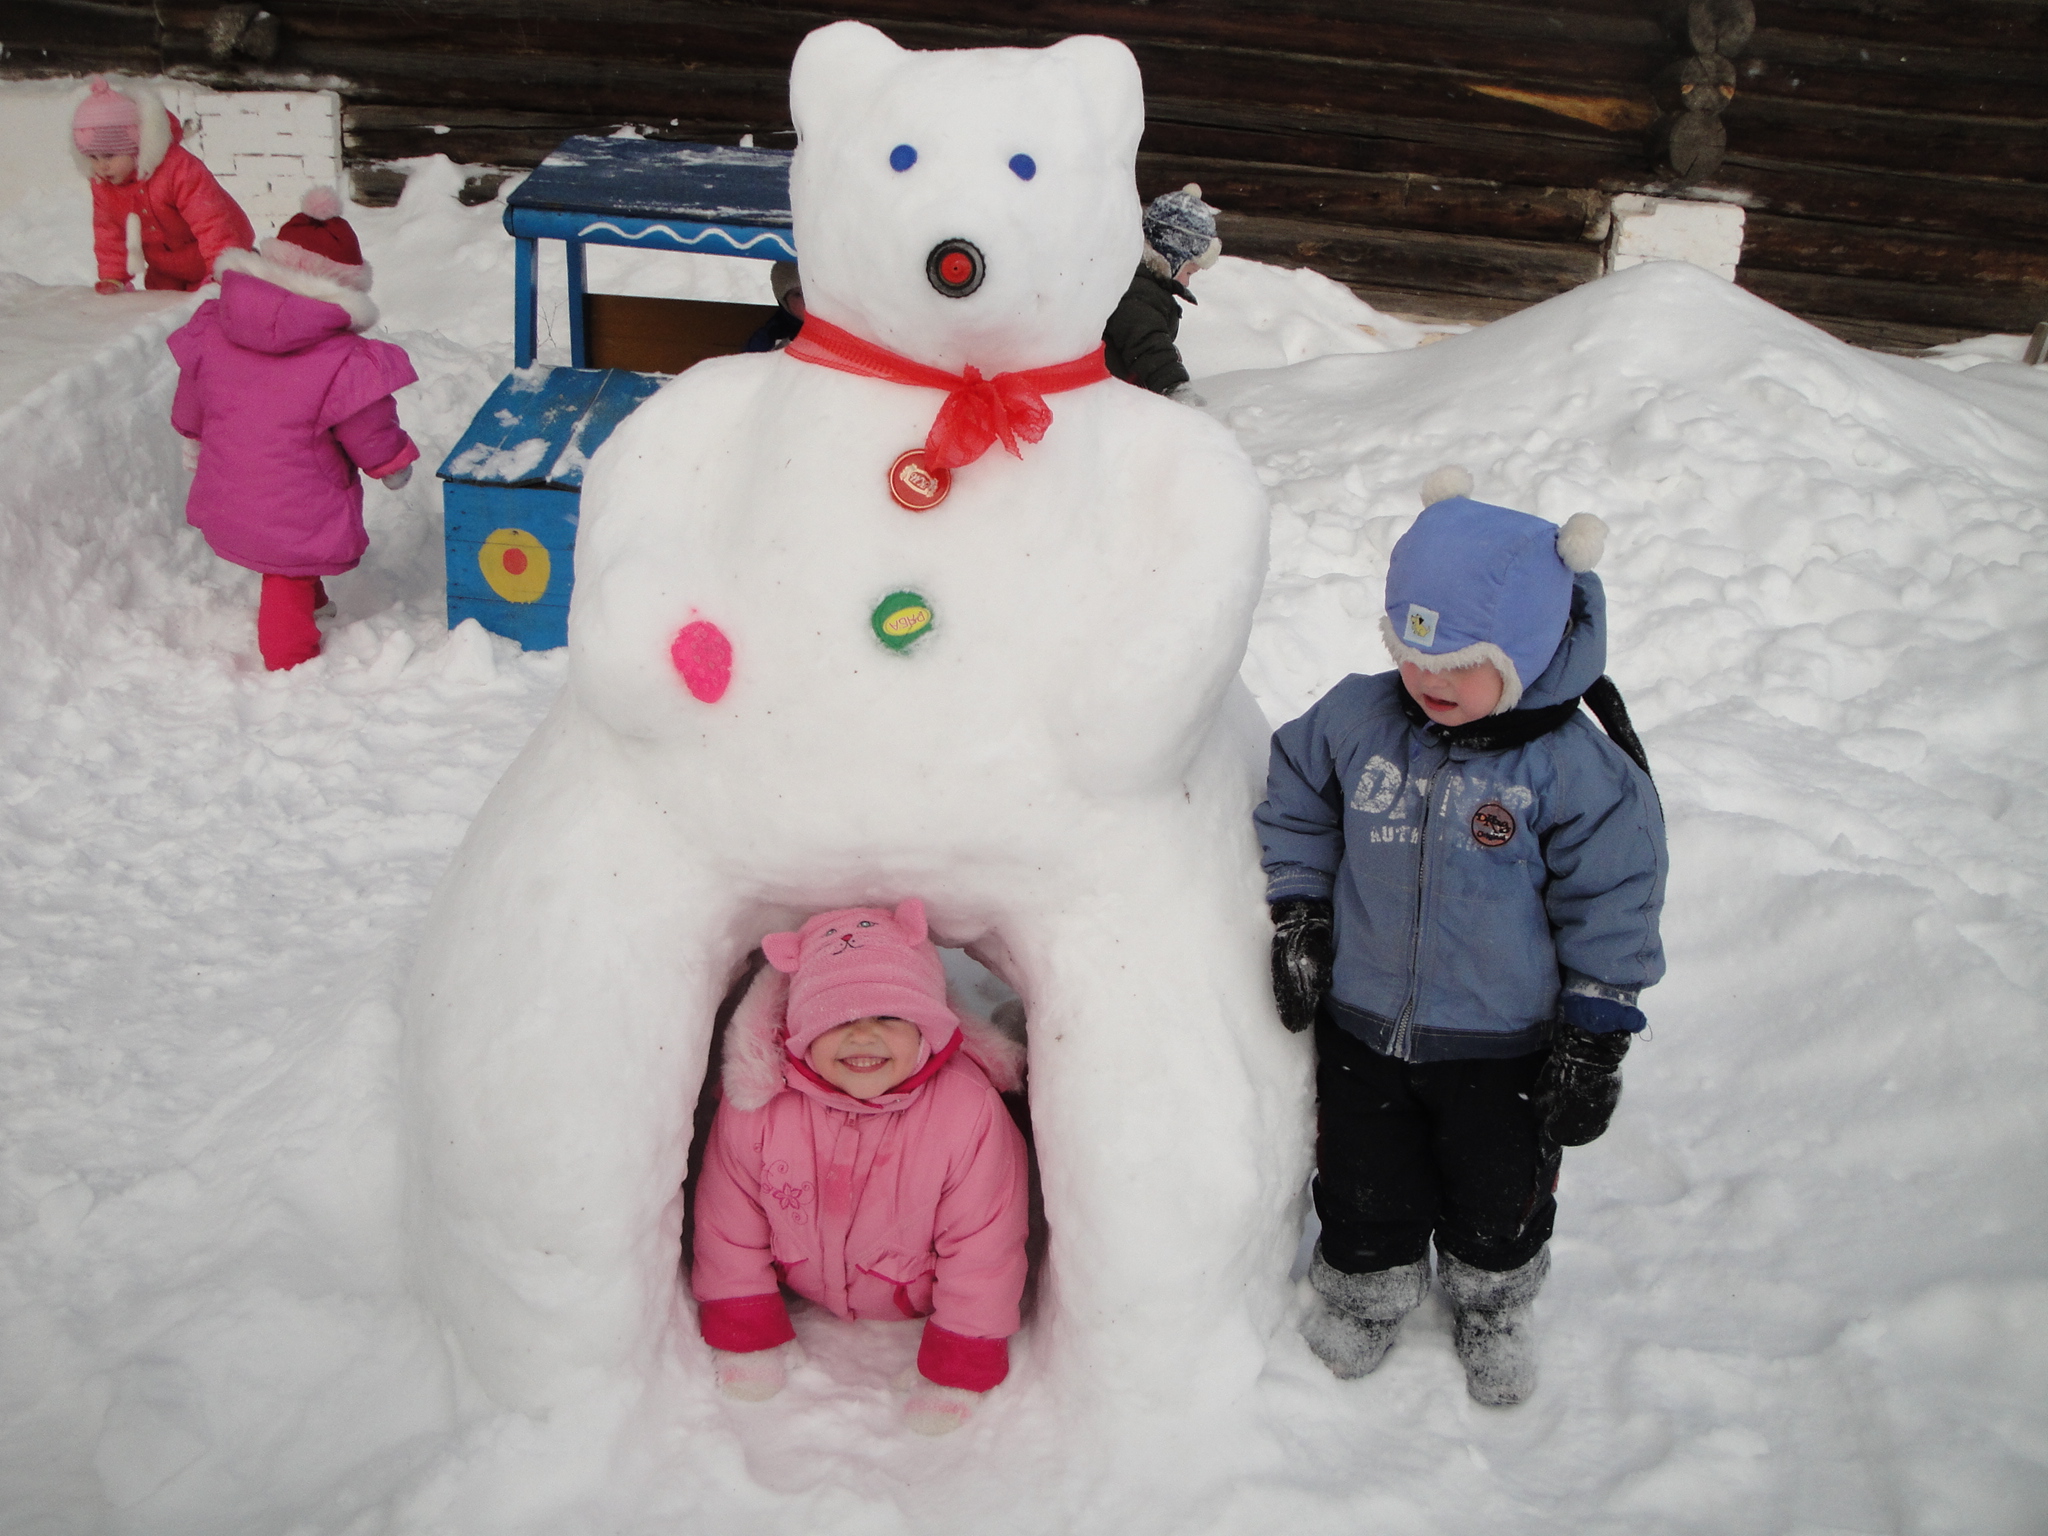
column 1889, row 335
column 1719, row 28
column 2016, row 25
column 376, row 186
column 556, row 43
column 1442, row 32
column 666, row 335
column 1503, row 97
column 1827, row 249
column 1346, row 142
column 1954, row 205
column 1895, row 62
column 519, row 148
column 508, row 147
column 2013, row 93
column 45, row 37
column 1553, row 214
column 616, row 89
column 1689, row 146
column 1701, row 83
column 1429, row 305
column 1826, row 134
column 1973, row 311
column 642, row 33
column 1413, row 259
column 1545, row 154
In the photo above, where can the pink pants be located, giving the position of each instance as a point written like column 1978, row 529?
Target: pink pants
column 285, row 631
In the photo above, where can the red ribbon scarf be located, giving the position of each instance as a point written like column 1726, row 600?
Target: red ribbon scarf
column 1009, row 408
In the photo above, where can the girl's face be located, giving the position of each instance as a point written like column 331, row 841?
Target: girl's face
column 867, row 1057
column 1455, row 697
column 112, row 169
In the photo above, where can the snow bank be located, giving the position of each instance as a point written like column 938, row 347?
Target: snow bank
column 1248, row 315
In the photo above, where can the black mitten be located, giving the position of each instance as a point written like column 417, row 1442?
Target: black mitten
column 1303, row 943
column 1580, row 1084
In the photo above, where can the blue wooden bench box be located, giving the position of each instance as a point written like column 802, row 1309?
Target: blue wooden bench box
column 512, row 482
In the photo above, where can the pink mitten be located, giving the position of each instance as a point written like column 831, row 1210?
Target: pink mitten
column 937, row 1410
column 753, row 1377
column 189, row 447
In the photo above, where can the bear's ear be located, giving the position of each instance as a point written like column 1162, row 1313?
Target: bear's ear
column 836, row 64
column 910, row 918
column 781, row 950
column 1110, row 83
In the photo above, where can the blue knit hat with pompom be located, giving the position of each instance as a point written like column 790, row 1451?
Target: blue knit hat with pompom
column 1470, row 582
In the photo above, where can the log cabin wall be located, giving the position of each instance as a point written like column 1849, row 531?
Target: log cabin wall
column 1440, row 156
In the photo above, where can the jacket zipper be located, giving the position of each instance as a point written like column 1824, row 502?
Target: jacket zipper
column 1404, row 1026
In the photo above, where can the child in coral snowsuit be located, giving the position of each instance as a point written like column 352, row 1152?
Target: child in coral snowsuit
column 126, row 145
column 288, row 401
column 862, row 1157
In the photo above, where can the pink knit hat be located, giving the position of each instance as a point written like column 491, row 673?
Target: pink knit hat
column 863, row 962
column 106, row 122
column 317, row 239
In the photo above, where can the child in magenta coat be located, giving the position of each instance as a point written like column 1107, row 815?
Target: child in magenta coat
column 287, row 401
column 126, row 145
column 862, row 1157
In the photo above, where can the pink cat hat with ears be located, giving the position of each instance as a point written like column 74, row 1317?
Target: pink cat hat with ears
column 863, row 962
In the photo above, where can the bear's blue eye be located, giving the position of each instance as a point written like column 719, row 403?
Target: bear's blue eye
column 1024, row 166
column 902, row 158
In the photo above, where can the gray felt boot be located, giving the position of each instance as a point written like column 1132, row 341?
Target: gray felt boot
column 1492, row 1332
column 1355, row 1326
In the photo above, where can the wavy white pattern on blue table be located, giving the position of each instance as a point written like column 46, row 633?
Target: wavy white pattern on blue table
column 662, row 229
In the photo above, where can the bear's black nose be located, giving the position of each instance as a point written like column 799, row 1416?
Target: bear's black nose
column 954, row 268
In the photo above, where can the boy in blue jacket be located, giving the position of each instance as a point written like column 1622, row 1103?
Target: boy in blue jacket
column 1465, row 877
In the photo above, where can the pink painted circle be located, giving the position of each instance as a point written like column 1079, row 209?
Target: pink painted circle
column 703, row 656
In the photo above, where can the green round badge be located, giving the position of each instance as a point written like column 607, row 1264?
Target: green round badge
column 901, row 619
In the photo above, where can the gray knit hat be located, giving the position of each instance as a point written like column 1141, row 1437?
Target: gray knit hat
column 1182, row 228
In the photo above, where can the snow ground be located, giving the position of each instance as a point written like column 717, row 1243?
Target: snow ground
column 1802, row 1286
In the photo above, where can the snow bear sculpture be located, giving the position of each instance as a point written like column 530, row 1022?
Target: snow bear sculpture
column 786, row 691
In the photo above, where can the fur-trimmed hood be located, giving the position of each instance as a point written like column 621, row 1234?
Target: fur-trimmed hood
column 756, row 1064
column 157, row 131
column 359, row 307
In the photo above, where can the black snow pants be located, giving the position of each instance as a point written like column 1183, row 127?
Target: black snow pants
column 1410, row 1150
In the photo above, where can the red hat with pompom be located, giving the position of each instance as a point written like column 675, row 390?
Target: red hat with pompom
column 318, row 240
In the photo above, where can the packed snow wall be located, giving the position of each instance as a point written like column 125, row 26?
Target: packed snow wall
column 92, row 536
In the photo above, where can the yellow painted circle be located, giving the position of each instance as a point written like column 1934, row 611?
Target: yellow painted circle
column 516, row 565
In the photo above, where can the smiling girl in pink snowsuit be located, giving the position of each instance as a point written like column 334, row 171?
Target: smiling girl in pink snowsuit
column 287, row 402
column 863, row 1158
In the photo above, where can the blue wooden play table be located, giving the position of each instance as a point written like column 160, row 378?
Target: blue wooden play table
column 512, row 481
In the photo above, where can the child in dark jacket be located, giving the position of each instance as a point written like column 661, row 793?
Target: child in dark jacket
column 1140, row 340
column 1466, row 877
column 126, row 145
column 285, row 402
